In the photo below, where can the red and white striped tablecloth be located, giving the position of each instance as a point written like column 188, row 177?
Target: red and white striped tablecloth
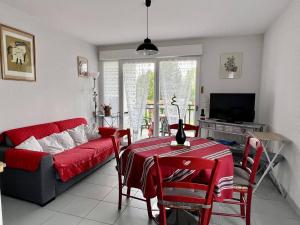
column 138, row 166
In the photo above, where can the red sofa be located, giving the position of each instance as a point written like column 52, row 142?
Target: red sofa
column 38, row 176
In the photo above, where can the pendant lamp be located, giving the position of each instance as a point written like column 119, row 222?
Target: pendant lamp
column 147, row 47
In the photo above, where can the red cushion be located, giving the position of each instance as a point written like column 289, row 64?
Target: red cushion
column 17, row 136
column 70, row 123
column 23, row 159
column 106, row 131
column 82, row 158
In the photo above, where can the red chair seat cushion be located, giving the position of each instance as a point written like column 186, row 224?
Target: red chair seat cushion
column 82, row 158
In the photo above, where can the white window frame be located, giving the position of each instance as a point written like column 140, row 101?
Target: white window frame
column 156, row 62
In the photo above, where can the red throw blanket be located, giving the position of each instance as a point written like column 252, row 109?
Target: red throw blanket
column 72, row 162
column 23, row 159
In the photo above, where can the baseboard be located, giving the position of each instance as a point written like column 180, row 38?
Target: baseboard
column 286, row 196
column 292, row 203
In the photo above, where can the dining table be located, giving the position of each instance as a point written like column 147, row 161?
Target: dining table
column 137, row 164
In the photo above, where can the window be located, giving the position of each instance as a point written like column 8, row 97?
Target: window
column 111, row 85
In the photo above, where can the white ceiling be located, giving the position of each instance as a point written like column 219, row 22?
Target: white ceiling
column 105, row 22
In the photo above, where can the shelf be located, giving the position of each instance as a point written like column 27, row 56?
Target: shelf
column 227, row 132
column 230, row 128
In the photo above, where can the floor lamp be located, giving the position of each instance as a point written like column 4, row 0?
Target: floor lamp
column 94, row 75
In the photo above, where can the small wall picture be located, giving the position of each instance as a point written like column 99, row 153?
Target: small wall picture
column 82, row 64
column 231, row 65
column 17, row 54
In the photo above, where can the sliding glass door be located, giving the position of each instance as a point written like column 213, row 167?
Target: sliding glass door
column 145, row 90
column 138, row 93
column 177, row 77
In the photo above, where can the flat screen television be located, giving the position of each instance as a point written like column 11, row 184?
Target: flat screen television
column 232, row 107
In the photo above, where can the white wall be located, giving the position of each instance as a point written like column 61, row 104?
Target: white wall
column 251, row 46
column 58, row 92
column 280, row 92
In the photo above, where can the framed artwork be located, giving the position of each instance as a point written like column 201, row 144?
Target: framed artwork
column 82, row 64
column 231, row 65
column 17, row 54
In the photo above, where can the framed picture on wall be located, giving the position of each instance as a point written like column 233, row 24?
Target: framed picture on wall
column 82, row 64
column 231, row 65
column 17, row 54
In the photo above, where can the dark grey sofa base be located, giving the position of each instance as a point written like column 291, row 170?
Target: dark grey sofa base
column 41, row 186
column 37, row 187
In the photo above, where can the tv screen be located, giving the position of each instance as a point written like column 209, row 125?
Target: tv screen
column 232, row 107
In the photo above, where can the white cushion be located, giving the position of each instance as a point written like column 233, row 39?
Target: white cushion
column 65, row 140
column 78, row 134
column 30, row 144
column 50, row 144
column 91, row 132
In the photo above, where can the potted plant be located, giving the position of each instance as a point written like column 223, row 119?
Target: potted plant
column 230, row 66
column 106, row 110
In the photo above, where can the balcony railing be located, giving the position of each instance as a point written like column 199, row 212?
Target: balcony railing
column 189, row 116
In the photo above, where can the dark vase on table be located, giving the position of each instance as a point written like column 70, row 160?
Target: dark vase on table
column 180, row 136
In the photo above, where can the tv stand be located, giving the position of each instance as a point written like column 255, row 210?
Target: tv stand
column 241, row 129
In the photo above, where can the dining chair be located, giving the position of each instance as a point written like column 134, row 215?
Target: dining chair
column 186, row 127
column 244, row 179
column 185, row 195
column 116, row 139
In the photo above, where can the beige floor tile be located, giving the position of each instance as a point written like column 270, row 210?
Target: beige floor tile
column 93, row 191
column 62, row 219
column 105, row 212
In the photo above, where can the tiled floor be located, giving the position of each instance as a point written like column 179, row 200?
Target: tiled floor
column 93, row 201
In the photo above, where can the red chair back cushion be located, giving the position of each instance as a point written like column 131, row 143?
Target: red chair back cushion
column 17, row 136
column 70, row 123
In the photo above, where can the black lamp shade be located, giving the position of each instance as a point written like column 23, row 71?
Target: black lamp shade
column 147, row 48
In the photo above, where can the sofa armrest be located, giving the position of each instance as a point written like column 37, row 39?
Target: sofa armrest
column 23, row 159
column 1, row 138
column 107, row 131
column 2, row 152
column 37, row 186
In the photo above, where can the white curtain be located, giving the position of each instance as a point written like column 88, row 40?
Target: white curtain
column 136, row 84
column 176, row 77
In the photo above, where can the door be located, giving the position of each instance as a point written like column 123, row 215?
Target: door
column 148, row 86
column 178, row 77
column 138, row 97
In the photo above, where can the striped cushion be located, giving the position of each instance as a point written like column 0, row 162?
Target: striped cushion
column 240, row 177
column 181, row 205
column 183, row 192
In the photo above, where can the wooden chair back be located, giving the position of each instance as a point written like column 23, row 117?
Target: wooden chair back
column 186, row 163
column 186, row 127
column 116, row 139
column 251, row 164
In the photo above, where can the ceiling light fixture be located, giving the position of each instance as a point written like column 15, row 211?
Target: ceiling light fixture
column 147, row 48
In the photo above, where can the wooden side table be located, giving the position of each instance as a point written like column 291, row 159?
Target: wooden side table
column 267, row 138
column 2, row 165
